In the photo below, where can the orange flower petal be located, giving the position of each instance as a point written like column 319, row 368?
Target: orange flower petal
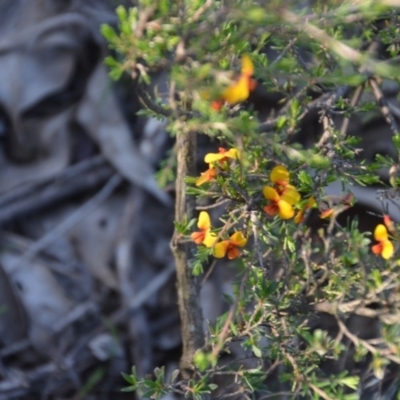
column 217, row 105
column 279, row 174
column 233, row 252
column 286, row 211
column 198, row 237
column 377, row 248
column 381, row 233
column 270, row 193
column 204, row 222
column 271, row 209
column 238, row 239
column 252, row 84
column 221, row 248
column 206, row 176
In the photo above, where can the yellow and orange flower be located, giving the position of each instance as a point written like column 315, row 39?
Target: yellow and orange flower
column 299, row 218
column 222, row 157
column 230, row 247
column 204, row 236
column 240, row 90
column 282, row 196
column 384, row 247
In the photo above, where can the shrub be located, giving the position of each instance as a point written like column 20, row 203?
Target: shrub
column 227, row 62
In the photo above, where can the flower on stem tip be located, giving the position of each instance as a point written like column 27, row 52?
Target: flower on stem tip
column 240, row 90
column 204, row 236
column 221, row 157
column 230, row 246
column 282, row 196
column 384, row 247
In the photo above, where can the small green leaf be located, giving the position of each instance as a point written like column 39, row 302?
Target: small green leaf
column 174, row 375
column 257, row 351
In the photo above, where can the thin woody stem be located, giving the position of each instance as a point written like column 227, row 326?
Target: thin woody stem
column 188, row 285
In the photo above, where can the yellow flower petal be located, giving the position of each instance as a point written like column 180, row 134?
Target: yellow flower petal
column 285, row 210
column 387, row 249
column 270, row 193
column 221, row 248
column 209, row 239
column 238, row 92
column 238, row 239
column 290, row 195
column 247, row 66
column 311, row 202
column 212, row 157
column 233, row 153
column 380, row 233
column 279, row 174
column 204, row 222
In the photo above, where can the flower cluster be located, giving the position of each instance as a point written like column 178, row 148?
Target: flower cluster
column 282, row 199
column 228, row 247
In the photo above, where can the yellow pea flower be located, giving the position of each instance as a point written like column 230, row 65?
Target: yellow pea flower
column 204, row 236
column 240, row 90
column 230, row 247
column 282, row 195
column 384, row 247
column 222, row 155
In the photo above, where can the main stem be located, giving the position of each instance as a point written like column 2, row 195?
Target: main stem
column 188, row 286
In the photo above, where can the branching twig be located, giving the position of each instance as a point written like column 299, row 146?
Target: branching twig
column 382, row 103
